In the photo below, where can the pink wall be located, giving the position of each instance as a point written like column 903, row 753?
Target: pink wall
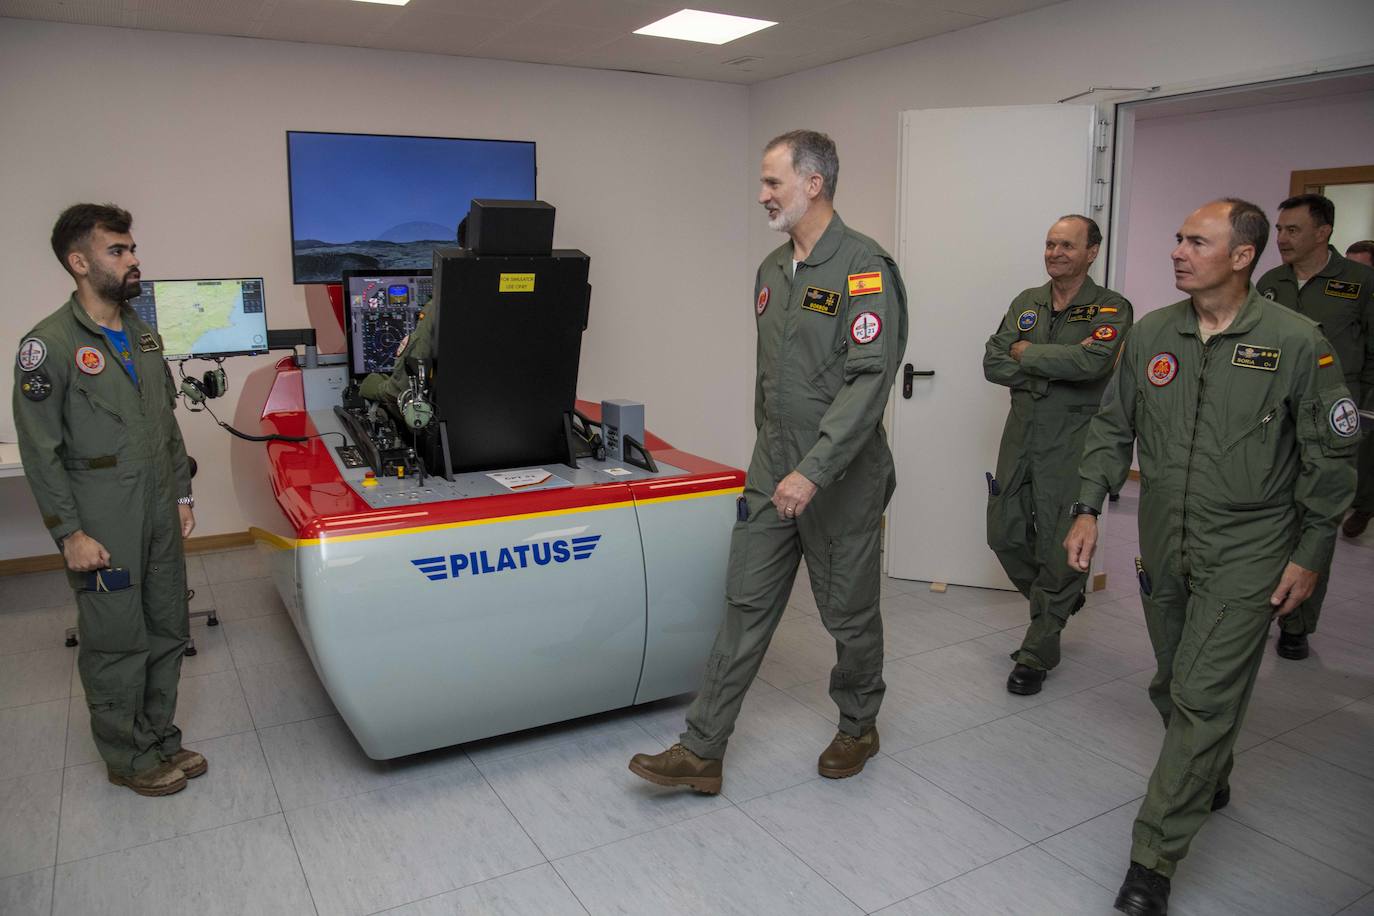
column 1184, row 161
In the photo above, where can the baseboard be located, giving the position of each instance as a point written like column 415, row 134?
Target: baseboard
column 1135, row 475
column 1099, row 582
column 53, row 561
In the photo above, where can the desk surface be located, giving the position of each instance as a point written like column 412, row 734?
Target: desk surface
column 10, row 466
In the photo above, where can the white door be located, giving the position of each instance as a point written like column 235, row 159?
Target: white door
column 979, row 187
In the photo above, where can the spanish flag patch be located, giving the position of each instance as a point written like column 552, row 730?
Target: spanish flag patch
column 1107, row 310
column 865, row 284
column 1325, row 360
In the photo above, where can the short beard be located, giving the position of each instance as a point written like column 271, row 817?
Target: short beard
column 787, row 218
column 114, row 289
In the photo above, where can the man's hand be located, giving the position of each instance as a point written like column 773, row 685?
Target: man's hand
column 1081, row 542
column 1085, row 341
column 84, row 553
column 188, row 520
column 793, row 495
column 1295, row 587
column 1018, row 348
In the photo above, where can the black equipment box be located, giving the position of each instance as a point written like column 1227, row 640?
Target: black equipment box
column 510, row 227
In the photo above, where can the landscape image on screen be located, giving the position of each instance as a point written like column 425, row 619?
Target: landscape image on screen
column 372, row 201
column 205, row 317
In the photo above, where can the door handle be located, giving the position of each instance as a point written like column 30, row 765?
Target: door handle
column 910, row 372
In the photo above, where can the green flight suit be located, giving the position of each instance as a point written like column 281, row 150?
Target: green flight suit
column 1244, row 446
column 829, row 342
column 420, row 344
column 105, row 456
column 1055, row 390
column 1340, row 297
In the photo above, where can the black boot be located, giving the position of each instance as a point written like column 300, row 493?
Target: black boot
column 1143, row 893
column 1222, row 798
column 1292, row 645
column 1025, row 680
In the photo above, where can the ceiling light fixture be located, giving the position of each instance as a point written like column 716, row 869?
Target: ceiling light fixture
column 387, row 2
column 708, row 28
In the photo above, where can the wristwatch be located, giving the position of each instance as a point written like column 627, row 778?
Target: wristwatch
column 187, row 501
column 1078, row 509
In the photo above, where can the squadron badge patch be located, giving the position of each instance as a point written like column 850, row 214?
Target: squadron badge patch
column 1252, row 357
column 90, row 360
column 866, row 328
column 1162, row 369
column 762, row 302
column 1082, row 313
column 35, row 386
column 1344, row 418
column 1343, row 289
column 1026, row 320
column 825, row 301
column 32, row 352
column 1104, row 332
column 147, row 343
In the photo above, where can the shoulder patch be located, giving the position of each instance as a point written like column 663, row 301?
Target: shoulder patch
column 32, row 352
column 825, row 301
column 90, row 360
column 865, row 284
column 1343, row 289
column 762, row 302
column 1161, row 369
column 1108, row 310
column 1027, row 319
column 1251, row 356
column 1325, row 360
column 866, row 328
column 1344, row 418
column 35, row 386
column 1083, row 313
column 1104, row 332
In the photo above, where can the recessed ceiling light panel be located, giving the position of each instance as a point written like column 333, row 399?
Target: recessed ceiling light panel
column 708, row 28
column 387, row 2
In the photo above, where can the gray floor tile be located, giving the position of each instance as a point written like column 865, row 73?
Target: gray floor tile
column 575, row 796
column 407, row 842
column 911, row 626
column 1344, row 737
column 318, row 760
column 1349, row 622
column 35, row 590
column 723, row 864
column 27, row 895
column 233, row 565
column 195, row 571
column 250, row 867
column 37, row 628
column 1289, row 694
column 1026, row 882
column 1024, row 777
column 99, row 817
column 1229, row 869
column 1116, row 721
column 972, row 602
column 775, row 745
column 36, row 677
column 282, row 692
column 536, row 890
column 1362, row 907
column 980, row 668
column 883, row 814
column 1313, row 806
column 32, row 738
column 801, row 651
column 530, row 740
column 246, row 598
column 262, row 640
column 29, row 808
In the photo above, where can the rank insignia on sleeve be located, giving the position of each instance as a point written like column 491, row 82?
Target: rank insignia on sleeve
column 825, row 301
column 90, row 360
column 865, row 284
column 1325, row 360
column 147, row 343
column 1026, row 320
column 1104, row 332
column 866, row 328
column 1083, row 313
column 32, row 352
column 1344, row 418
column 35, row 386
column 1162, row 369
column 1252, row 357
column 762, row 302
column 1343, row 289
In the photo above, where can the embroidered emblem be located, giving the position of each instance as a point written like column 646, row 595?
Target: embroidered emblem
column 866, row 328
column 1325, row 360
column 865, row 284
column 1104, row 332
column 32, row 352
column 1345, row 418
column 1343, row 289
column 1026, row 320
column 762, row 302
column 35, row 386
column 1162, row 369
column 147, row 343
column 90, row 360
column 825, row 301
column 1083, row 313
column 1251, row 356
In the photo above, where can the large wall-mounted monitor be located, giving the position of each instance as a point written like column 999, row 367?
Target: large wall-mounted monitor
column 381, row 309
column 205, row 318
column 383, row 202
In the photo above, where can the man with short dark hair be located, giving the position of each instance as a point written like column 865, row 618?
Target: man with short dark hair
column 832, row 323
column 1361, row 252
column 1054, row 348
column 1315, row 281
column 93, row 401
column 1244, row 430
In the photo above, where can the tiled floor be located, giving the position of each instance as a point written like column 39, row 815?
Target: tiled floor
column 981, row 802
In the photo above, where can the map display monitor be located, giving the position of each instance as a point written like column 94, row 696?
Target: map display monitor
column 381, row 309
column 202, row 318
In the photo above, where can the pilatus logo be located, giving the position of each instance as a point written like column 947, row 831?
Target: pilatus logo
column 518, row 556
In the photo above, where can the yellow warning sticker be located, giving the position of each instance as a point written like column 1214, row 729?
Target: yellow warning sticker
column 517, row 283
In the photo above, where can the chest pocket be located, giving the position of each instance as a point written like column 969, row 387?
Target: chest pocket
column 96, row 427
column 1255, row 461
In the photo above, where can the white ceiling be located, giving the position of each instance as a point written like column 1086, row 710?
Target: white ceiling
column 577, row 33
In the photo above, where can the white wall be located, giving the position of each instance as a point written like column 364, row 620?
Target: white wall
column 649, row 174
column 1354, row 204
column 1180, row 162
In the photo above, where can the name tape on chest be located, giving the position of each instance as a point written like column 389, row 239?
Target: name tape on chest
column 32, row 352
column 1161, row 369
column 1344, row 418
column 90, row 360
column 1343, row 289
column 147, row 343
column 1082, row 313
column 1027, row 319
column 825, row 301
column 1251, row 356
column 865, row 284
column 761, row 303
column 1104, row 332
column 866, row 328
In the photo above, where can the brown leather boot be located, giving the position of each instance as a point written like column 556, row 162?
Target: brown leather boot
column 847, row 755
column 678, row 766
column 163, row 779
column 189, row 762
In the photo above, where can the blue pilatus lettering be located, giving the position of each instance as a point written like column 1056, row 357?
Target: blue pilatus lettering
column 501, row 559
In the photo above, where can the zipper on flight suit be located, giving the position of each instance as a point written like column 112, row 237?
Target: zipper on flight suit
column 1192, row 447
